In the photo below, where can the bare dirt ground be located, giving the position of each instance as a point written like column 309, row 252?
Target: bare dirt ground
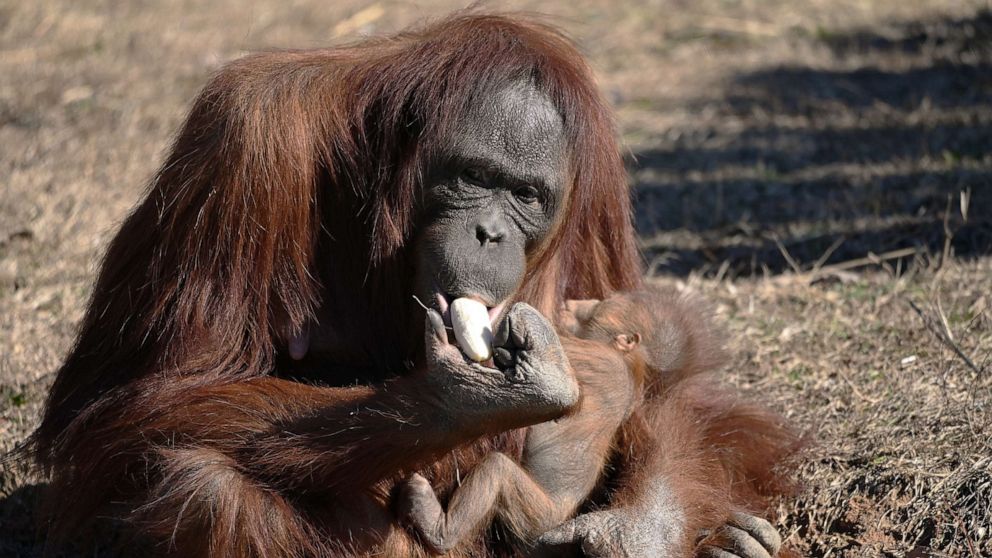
column 820, row 169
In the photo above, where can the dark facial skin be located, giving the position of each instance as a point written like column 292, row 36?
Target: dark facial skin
column 491, row 198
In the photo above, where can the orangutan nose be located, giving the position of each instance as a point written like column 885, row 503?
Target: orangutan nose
column 489, row 231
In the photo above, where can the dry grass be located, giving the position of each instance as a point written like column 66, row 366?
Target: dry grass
column 903, row 458
column 772, row 144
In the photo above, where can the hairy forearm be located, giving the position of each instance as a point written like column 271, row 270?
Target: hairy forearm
column 302, row 437
column 356, row 441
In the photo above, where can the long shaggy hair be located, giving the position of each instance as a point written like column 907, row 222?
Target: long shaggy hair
column 294, row 184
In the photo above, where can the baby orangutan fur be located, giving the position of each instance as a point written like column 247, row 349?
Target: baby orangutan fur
column 649, row 344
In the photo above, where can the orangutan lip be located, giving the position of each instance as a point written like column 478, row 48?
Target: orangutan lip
column 443, row 306
column 495, row 312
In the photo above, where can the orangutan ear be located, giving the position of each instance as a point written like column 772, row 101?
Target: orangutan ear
column 626, row 342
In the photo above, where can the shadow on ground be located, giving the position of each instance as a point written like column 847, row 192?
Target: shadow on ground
column 829, row 165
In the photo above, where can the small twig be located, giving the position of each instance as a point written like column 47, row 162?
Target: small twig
column 424, row 306
column 855, row 389
column 788, row 257
column 722, row 271
column 964, row 531
column 943, row 320
column 928, row 322
column 869, row 260
column 826, row 255
column 948, row 235
column 965, row 203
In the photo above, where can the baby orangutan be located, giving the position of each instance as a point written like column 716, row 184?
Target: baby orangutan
column 624, row 350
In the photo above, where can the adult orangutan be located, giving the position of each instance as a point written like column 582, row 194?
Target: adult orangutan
column 309, row 196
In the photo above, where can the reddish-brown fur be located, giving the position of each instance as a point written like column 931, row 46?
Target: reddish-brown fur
column 718, row 453
column 638, row 357
column 291, row 193
column 291, row 190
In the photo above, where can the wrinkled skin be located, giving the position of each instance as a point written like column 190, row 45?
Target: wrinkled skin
column 634, row 533
column 491, row 199
column 533, row 384
column 745, row 536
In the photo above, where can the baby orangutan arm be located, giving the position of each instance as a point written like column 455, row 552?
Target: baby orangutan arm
column 562, row 463
column 497, row 486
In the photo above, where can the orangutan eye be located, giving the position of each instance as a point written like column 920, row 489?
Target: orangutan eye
column 527, row 194
column 474, row 175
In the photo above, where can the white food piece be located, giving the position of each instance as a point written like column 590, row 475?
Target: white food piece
column 474, row 333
